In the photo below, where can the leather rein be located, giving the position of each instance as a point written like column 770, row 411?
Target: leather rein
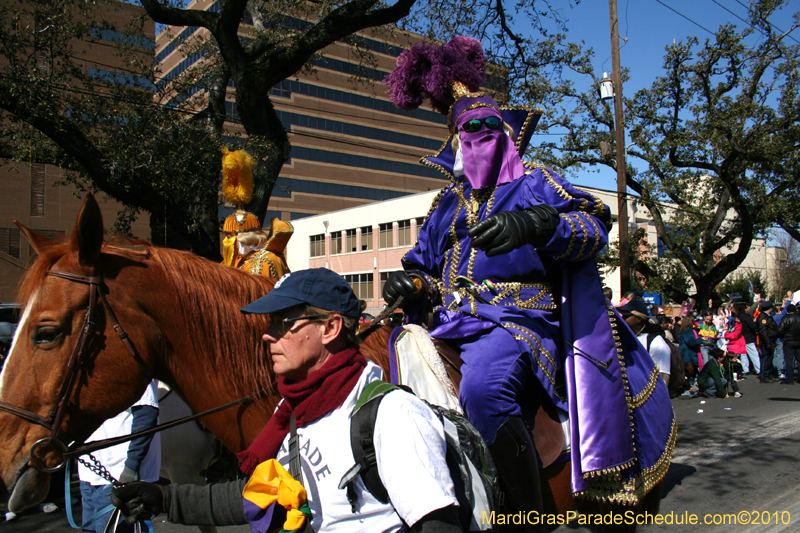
column 56, row 415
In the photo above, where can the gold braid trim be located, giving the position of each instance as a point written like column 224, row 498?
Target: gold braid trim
column 535, row 112
column 596, row 237
column 562, row 192
column 612, row 489
column 623, row 372
column 599, row 206
column 423, row 160
column 526, row 336
column 579, row 218
column 455, row 256
column 571, row 237
column 609, row 474
column 647, row 391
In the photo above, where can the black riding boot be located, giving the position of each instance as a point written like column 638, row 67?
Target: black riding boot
column 518, row 470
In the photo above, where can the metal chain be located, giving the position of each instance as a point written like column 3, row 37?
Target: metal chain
column 99, row 469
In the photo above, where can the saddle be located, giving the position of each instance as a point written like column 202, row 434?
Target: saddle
column 436, row 369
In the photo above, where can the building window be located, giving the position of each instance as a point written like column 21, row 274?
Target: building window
column 420, row 221
column 404, row 233
column 361, row 284
column 350, row 244
column 366, row 238
column 384, row 278
column 9, row 241
column 336, row 243
column 386, row 235
column 317, row 245
column 37, row 189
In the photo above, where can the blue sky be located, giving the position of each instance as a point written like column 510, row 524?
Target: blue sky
column 649, row 26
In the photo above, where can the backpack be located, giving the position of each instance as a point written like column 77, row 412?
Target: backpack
column 677, row 371
column 471, row 466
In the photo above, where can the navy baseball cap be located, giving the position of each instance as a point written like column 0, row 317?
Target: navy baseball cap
column 319, row 287
column 634, row 307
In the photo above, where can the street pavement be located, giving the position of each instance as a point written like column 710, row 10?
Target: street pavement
column 736, row 457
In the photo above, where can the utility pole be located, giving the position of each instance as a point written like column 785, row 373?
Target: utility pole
column 619, row 127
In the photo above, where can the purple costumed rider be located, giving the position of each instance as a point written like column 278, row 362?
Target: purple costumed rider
column 507, row 255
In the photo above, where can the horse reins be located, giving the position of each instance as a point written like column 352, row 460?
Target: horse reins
column 56, row 415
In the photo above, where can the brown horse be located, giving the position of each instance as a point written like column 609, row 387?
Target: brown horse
column 180, row 312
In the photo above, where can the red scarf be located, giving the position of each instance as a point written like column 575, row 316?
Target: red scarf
column 320, row 393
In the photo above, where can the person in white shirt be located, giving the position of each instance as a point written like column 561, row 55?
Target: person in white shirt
column 138, row 459
column 650, row 335
column 314, row 314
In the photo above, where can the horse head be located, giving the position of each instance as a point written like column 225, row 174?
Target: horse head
column 66, row 368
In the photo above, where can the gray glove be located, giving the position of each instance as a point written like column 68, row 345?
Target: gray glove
column 128, row 475
column 509, row 230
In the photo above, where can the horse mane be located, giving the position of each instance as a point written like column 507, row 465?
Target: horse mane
column 210, row 296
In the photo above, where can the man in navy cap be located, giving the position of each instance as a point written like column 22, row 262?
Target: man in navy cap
column 321, row 374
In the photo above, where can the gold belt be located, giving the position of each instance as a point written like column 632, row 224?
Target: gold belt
column 537, row 296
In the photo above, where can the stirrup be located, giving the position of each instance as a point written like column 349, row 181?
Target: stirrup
column 113, row 522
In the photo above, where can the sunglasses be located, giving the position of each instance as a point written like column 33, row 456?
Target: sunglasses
column 493, row 123
column 281, row 325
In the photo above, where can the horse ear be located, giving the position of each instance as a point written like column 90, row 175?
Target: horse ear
column 37, row 242
column 87, row 238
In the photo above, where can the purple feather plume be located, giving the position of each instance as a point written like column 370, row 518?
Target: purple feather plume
column 426, row 71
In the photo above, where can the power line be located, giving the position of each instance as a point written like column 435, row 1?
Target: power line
column 684, row 16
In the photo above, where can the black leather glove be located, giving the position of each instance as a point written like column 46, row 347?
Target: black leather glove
column 140, row 500
column 400, row 284
column 509, row 230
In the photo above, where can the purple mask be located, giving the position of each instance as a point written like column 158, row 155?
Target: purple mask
column 489, row 156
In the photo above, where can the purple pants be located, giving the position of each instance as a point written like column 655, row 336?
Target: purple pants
column 494, row 372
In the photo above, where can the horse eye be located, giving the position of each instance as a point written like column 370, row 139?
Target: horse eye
column 46, row 334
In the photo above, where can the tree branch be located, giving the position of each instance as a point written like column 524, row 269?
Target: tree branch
column 180, row 17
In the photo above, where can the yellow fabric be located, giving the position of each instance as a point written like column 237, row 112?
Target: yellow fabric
column 281, row 233
column 271, row 482
column 237, row 176
column 228, row 245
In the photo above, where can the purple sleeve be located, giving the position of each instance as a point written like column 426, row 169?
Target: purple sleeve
column 585, row 220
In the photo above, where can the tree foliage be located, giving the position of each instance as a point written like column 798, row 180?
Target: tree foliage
column 650, row 271
column 104, row 125
column 123, row 140
column 717, row 136
column 745, row 284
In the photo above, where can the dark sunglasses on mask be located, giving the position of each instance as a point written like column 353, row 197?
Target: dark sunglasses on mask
column 493, row 123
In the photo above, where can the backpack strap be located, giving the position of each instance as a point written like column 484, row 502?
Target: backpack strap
column 362, row 430
column 295, row 469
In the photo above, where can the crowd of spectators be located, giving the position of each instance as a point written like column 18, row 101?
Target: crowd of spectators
column 725, row 343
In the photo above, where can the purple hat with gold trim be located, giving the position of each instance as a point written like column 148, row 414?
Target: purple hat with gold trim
column 450, row 77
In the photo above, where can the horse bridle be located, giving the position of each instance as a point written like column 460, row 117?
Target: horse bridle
column 76, row 360
column 56, row 415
